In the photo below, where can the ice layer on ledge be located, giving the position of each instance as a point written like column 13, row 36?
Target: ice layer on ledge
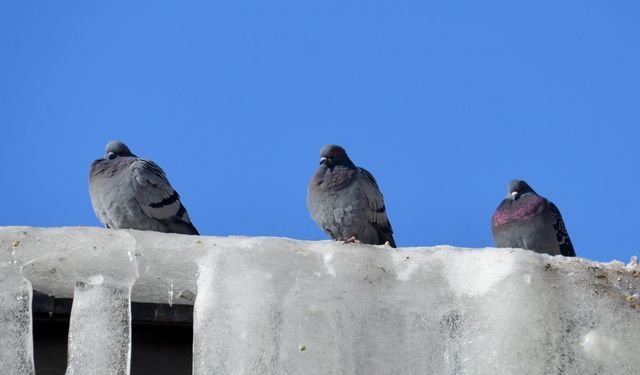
column 280, row 306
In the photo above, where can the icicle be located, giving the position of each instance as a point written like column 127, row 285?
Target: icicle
column 16, row 347
column 16, row 343
column 100, row 328
column 171, row 294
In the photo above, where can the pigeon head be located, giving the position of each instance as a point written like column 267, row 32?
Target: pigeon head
column 116, row 149
column 331, row 155
column 517, row 188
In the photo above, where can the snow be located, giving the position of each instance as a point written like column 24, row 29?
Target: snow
column 281, row 306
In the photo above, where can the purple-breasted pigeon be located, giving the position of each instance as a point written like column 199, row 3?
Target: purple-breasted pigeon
column 528, row 221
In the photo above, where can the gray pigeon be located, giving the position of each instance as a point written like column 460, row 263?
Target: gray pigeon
column 526, row 220
column 346, row 202
column 128, row 192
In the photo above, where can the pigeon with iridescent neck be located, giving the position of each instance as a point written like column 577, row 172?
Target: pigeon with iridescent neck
column 526, row 220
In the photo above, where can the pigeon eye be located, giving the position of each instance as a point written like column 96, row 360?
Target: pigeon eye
column 111, row 155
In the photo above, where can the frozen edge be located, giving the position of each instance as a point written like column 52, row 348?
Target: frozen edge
column 264, row 299
column 167, row 273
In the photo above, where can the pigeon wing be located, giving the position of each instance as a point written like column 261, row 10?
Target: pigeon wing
column 566, row 247
column 376, row 211
column 157, row 198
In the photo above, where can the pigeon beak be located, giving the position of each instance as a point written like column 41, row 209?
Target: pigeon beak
column 324, row 160
column 513, row 195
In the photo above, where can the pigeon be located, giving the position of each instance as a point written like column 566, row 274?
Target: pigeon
column 528, row 221
column 128, row 192
column 346, row 202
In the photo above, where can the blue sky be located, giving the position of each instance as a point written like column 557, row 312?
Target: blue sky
column 443, row 102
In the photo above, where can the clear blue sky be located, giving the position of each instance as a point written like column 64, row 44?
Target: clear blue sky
column 443, row 102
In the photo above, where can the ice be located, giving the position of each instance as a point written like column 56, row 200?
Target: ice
column 101, row 306
column 599, row 346
column 287, row 307
column 170, row 293
column 100, row 330
column 167, row 265
column 96, row 264
column 280, row 306
column 16, row 347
